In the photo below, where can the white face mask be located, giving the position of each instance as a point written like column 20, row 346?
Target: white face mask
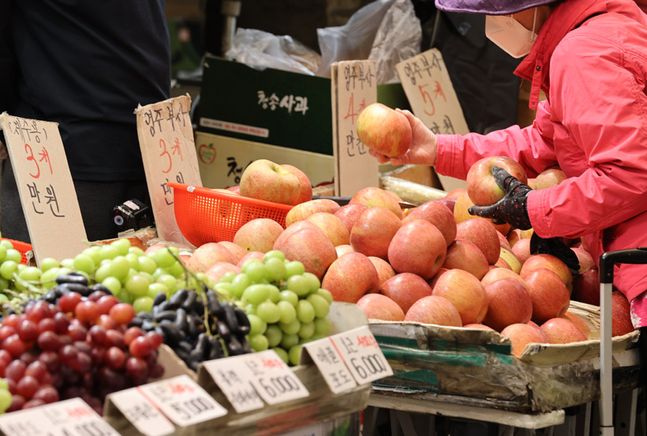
column 510, row 35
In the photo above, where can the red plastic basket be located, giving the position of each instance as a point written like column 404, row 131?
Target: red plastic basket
column 204, row 215
column 23, row 247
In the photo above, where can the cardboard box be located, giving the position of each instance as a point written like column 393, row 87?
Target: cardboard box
column 473, row 367
column 285, row 111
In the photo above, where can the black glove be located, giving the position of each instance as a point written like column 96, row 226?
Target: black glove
column 512, row 208
column 557, row 248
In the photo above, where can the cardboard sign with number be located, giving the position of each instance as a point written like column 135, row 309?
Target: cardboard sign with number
column 182, row 401
column 45, row 187
column 233, row 378
column 273, row 379
column 64, row 418
column 353, row 87
column 431, row 94
column 331, row 366
column 141, row 413
column 168, row 152
column 362, row 355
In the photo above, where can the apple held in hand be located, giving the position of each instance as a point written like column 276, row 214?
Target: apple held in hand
column 482, row 188
column 384, row 130
column 269, row 181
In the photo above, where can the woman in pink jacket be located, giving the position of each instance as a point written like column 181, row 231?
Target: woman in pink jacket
column 590, row 58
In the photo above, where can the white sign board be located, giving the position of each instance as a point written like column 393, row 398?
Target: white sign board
column 141, row 413
column 353, row 87
column 168, row 152
column 45, row 186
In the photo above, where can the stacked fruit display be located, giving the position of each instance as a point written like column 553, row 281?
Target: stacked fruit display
column 74, row 343
column 286, row 305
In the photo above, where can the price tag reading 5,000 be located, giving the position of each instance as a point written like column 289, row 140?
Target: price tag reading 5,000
column 362, row 355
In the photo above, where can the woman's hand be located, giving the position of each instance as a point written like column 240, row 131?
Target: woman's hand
column 423, row 145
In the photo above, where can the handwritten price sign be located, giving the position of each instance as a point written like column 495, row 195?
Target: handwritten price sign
column 65, row 418
column 141, row 413
column 349, row 358
column 45, row 187
column 233, row 378
column 353, row 87
column 168, row 152
column 182, row 401
column 430, row 92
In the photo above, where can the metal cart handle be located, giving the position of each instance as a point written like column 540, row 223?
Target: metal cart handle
column 607, row 262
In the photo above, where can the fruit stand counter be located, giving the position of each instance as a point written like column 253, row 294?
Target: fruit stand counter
column 471, row 373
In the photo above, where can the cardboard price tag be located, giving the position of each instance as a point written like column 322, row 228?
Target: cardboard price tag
column 65, row 418
column 362, row 355
column 431, row 94
column 45, row 187
column 353, row 87
column 168, row 152
column 182, row 401
column 273, row 379
column 233, row 378
column 141, row 413
column 324, row 354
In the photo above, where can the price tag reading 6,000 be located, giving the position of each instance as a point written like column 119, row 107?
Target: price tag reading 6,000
column 272, row 378
column 361, row 353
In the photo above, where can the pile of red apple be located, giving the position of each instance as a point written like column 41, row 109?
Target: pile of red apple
column 432, row 264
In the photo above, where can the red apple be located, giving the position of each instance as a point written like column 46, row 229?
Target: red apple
column 383, row 268
column 481, row 233
column 373, row 231
column 417, row 247
column 561, row 331
column 332, row 226
column 437, row 214
column 434, row 310
column 384, row 130
column 549, row 262
column 236, row 250
column 620, row 315
column 343, row 249
column 376, row 197
column 309, row 246
column 219, row 269
column 293, row 228
column 259, row 234
column 521, row 335
column 305, row 187
column 461, row 213
column 585, row 259
column 579, row 322
column 465, row 292
column 510, row 259
column 477, row 326
column 349, row 214
column 304, row 210
column 449, row 203
column 266, row 180
column 503, row 241
column 497, row 274
column 208, row 254
column 550, row 297
column 547, row 178
column 252, row 255
column 482, row 188
column 508, row 303
column 521, row 249
column 586, row 287
column 350, row 277
column 405, row 289
column 463, row 254
column 378, row 306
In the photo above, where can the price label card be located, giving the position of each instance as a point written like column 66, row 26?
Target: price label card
column 431, row 94
column 233, row 378
column 353, row 87
column 168, row 152
column 362, row 355
column 333, row 369
column 65, row 418
column 45, row 187
column 273, row 379
column 141, row 413
column 182, row 401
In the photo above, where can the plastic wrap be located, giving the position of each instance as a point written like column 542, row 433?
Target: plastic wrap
column 411, row 192
column 386, row 31
column 261, row 50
